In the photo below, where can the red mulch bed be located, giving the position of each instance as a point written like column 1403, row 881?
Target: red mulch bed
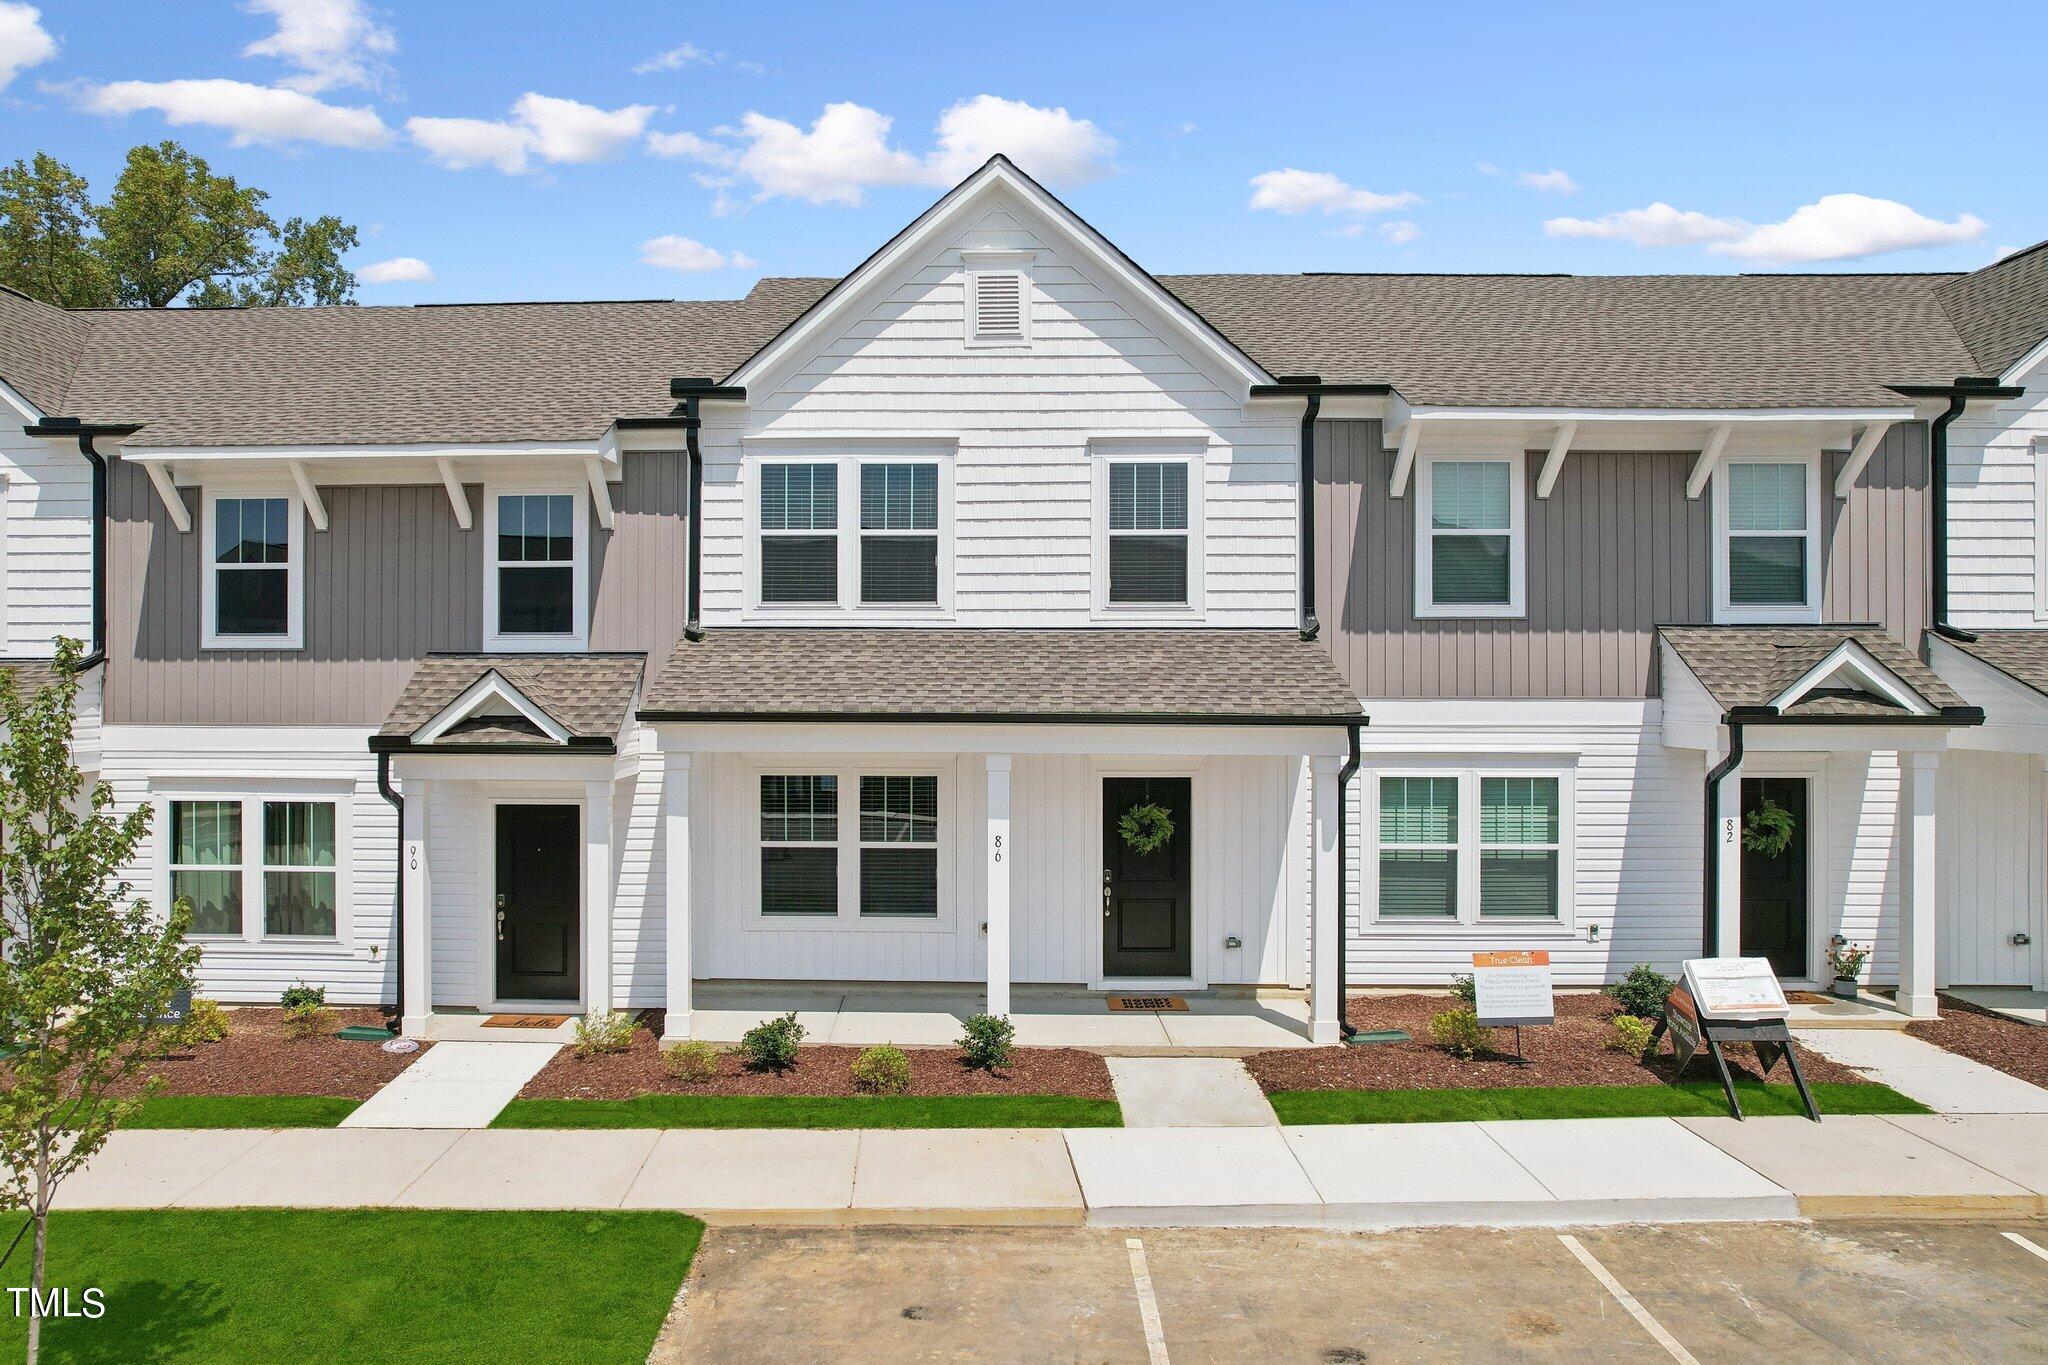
column 1569, row 1052
column 258, row 1057
column 2017, row 1049
column 819, row 1071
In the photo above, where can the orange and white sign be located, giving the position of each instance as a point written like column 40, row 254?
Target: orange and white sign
column 1513, row 988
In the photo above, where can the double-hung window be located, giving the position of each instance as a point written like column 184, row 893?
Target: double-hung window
column 226, row 854
column 899, row 533
column 899, row 845
column 1473, row 847
column 253, row 572
column 537, row 556
column 875, row 862
column 1469, row 543
column 1148, row 533
column 1767, row 552
column 799, row 517
column 799, row 844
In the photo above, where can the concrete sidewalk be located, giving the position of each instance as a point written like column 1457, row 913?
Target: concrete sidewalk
column 1944, row 1081
column 454, row 1085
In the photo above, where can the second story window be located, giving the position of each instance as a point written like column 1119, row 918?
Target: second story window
column 253, row 573
column 899, row 533
column 533, row 586
column 1148, row 533
column 1469, row 550
column 799, row 534
column 1766, row 554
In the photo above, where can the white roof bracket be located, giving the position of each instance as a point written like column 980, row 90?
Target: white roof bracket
column 1404, row 459
column 1859, row 456
column 160, row 479
column 309, row 495
column 457, row 499
column 600, row 495
column 1710, row 455
column 1553, row 463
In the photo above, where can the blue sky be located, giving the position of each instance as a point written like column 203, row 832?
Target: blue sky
column 533, row 149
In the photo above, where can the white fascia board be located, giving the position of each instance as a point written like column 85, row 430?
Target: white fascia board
column 2003, row 697
column 1854, row 658
column 27, row 411
column 1790, row 737
column 425, row 452
column 491, row 686
column 951, row 207
column 1694, row 416
column 866, row 442
column 2025, row 364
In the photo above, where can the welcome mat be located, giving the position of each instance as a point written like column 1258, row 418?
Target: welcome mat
column 1149, row 1004
column 526, row 1021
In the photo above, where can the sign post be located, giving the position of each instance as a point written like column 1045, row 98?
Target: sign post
column 1731, row 1000
column 1512, row 989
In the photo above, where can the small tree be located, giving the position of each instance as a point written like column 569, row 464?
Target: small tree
column 87, row 979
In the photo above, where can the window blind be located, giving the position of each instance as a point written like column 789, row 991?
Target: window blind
column 1145, row 500
column 800, row 498
column 206, row 863
column 899, row 857
column 1469, row 497
column 799, row 810
column 298, row 868
column 1518, row 882
column 1419, row 882
column 899, row 518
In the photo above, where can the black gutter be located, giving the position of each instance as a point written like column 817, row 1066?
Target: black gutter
column 1344, row 776
column 402, row 744
column 985, row 718
column 1958, row 395
column 85, row 432
column 385, row 790
column 1948, row 715
column 692, row 392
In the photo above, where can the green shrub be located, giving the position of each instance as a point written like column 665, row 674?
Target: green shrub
column 1627, row 1033
column 308, row 1019
column 1642, row 992
column 604, row 1031
column 692, row 1063
column 1460, row 1033
column 205, row 1022
column 1465, row 990
column 772, row 1046
column 882, row 1070
column 988, row 1041
column 298, row 995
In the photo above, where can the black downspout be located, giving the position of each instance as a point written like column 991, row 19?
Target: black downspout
column 385, row 790
column 1710, row 912
column 1937, row 488
column 693, row 626
column 84, row 434
column 1309, row 625
column 1344, row 776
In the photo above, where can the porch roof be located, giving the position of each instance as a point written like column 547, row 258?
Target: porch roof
column 2021, row 655
column 30, row 675
column 1193, row 676
column 1756, row 666
column 582, row 700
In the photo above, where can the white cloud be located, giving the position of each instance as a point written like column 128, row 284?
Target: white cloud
column 1549, row 182
column 1296, row 192
column 1658, row 225
column 332, row 42
column 1848, row 227
column 675, row 59
column 565, row 132
column 24, row 42
column 681, row 253
column 253, row 113
column 1400, row 232
column 846, row 152
column 397, row 270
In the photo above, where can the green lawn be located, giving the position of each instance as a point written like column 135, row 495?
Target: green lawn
column 809, row 1111
column 242, row 1111
column 1687, row 1099
column 361, row 1284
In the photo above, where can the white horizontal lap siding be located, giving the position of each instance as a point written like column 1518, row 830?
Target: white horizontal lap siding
column 1993, row 868
column 1995, row 569
column 46, row 530
column 137, row 766
column 1024, row 518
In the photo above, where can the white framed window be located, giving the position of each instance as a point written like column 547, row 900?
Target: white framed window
column 798, row 516
column 835, row 534
column 1767, row 544
column 998, row 298
column 1148, row 528
column 851, row 846
column 1471, row 536
column 258, row 868
column 536, row 567
column 252, row 592
column 899, row 533
column 1456, row 847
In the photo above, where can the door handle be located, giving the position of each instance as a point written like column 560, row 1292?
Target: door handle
column 501, row 919
column 1105, row 893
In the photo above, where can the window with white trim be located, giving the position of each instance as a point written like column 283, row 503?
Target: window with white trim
column 293, row 869
column 899, row 845
column 899, row 533
column 799, row 523
column 298, row 869
column 1768, row 549
column 1148, row 532
column 1472, row 848
column 206, row 864
column 799, row 844
column 254, row 572
column 877, row 862
column 534, row 555
column 1471, row 551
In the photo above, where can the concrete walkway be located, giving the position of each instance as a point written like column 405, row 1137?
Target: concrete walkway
column 454, row 1085
column 1188, row 1092
column 1944, row 1081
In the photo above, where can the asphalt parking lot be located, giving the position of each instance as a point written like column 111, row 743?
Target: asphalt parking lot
column 1709, row 1292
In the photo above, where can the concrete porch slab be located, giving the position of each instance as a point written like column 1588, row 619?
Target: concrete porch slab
column 149, row 1168
column 1102, row 1032
column 1865, row 1012
column 723, row 1018
column 509, row 1168
column 2011, row 1146
column 322, row 1168
column 966, row 1174
column 2014, row 1002
column 1163, row 1177
column 736, row 1175
column 864, row 1020
column 1863, row 1166
column 1651, row 1168
column 1188, row 1092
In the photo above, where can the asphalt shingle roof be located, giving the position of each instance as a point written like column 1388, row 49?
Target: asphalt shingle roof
column 39, row 348
column 2001, row 311
column 1753, row 665
column 2019, row 654
column 588, row 695
column 1196, row 673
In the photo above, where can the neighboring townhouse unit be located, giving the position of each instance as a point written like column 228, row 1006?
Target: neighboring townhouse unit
column 956, row 622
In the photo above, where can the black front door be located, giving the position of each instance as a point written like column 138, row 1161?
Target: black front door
column 1146, row 915
column 1774, row 884
column 537, row 913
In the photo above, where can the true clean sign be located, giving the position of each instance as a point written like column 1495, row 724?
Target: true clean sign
column 1513, row 988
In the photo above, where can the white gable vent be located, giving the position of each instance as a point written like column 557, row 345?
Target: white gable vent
column 998, row 304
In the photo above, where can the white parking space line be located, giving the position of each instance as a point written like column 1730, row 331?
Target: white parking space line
column 2034, row 1247
column 1627, row 1300
column 1148, row 1305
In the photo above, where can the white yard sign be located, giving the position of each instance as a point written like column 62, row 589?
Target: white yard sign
column 1512, row 988
column 1735, row 988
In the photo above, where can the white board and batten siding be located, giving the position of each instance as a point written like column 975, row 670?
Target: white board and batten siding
column 1024, row 512
column 1998, row 507
column 1993, row 869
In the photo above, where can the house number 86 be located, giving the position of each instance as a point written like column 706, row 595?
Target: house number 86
column 999, row 848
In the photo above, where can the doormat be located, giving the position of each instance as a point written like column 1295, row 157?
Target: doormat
column 1814, row 998
column 526, row 1021
column 1149, row 1004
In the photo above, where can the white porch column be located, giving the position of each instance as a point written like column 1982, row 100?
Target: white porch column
column 1917, row 894
column 597, row 896
column 1728, row 848
column 675, row 802
column 1326, row 879
column 998, row 923
column 418, row 999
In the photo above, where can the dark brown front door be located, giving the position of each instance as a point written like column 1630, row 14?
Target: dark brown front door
column 538, row 908
column 1774, row 886
column 1146, row 912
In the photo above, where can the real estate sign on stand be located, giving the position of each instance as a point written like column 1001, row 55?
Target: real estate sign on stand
column 1512, row 989
column 1735, row 988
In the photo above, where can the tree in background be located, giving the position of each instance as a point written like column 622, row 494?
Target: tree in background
column 87, row 978
column 171, row 232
